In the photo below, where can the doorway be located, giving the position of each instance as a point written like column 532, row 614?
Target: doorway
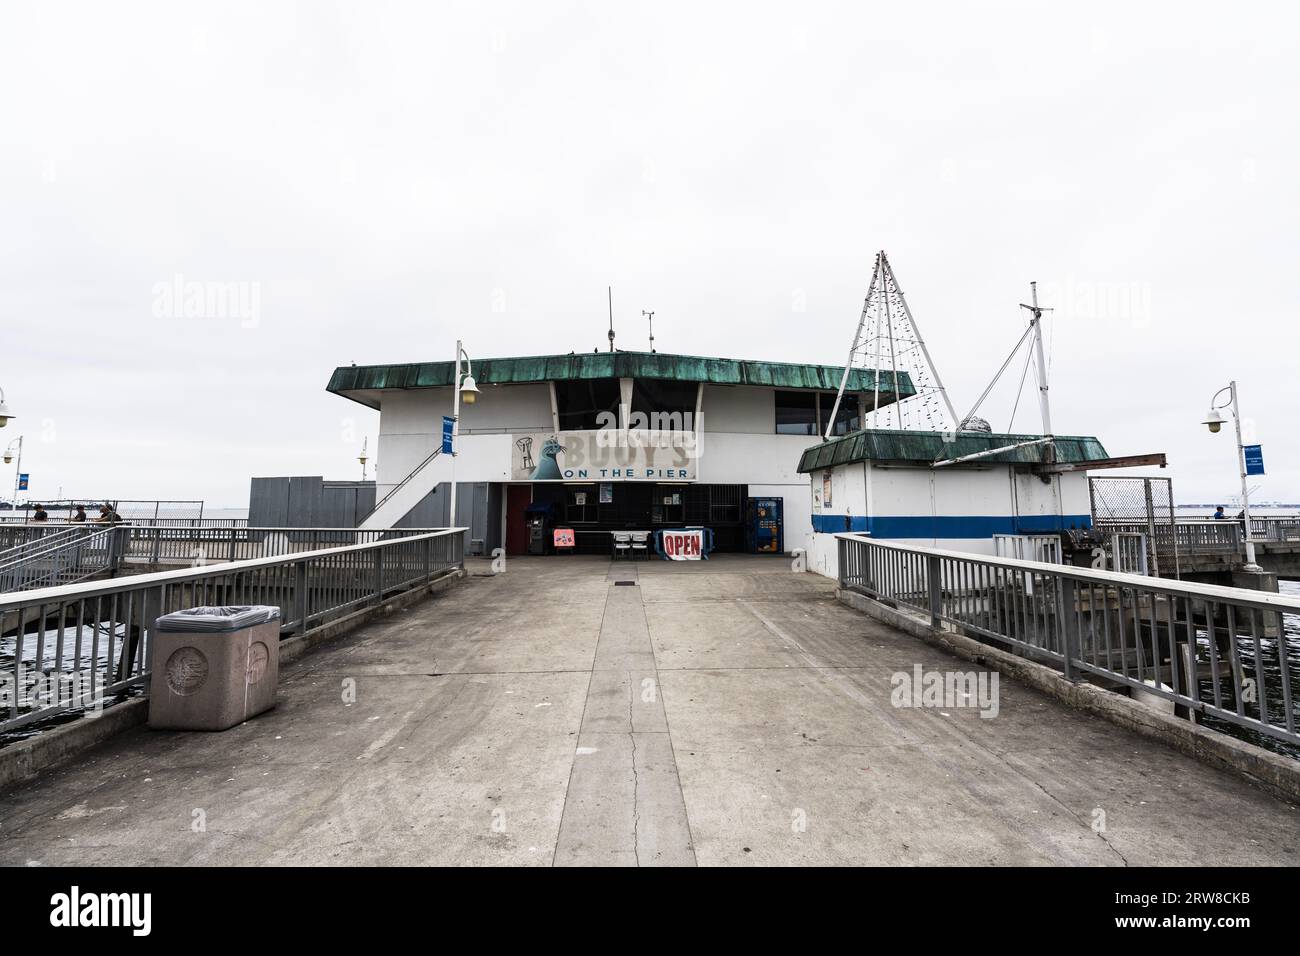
column 518, row 498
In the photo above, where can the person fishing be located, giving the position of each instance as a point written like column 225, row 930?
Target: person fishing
column 107, row 515
column 1218, row 514
column 79, row 514
column 40, row 514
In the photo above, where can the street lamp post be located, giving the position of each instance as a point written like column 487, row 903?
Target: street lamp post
column 18, row 470
column 1214, row 421
column 469, row 391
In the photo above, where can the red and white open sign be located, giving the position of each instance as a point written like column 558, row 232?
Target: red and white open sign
column 683, row 545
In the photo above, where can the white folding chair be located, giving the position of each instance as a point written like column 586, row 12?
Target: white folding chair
column 622, row 544
column 640, row 543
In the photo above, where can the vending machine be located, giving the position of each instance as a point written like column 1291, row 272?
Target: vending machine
column 538, row 521
column 763, row 526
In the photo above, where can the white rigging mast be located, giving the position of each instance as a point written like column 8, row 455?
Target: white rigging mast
column 889, row 343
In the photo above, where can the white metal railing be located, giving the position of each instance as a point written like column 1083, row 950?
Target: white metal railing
column 1128, row 553
column 77, row 646
column 1218, row 652
column 1029, row 547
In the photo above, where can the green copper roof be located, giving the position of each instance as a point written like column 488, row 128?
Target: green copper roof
column 926, row 447
column 546, row 368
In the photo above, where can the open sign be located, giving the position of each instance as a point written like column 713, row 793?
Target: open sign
column 683, row 545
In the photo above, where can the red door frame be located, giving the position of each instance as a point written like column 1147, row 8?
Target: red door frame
column 518, row 498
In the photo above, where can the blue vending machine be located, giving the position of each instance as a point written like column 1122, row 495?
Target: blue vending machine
column 763, row 526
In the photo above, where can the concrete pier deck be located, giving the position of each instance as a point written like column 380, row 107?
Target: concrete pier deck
column 727, row 712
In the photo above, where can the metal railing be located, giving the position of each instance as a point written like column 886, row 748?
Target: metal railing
column 58, row 520
column 1129, row 553
column 1185, row 537
column 1275, row 529
column 1221, row 653
column 166, row 544
column 70, row 554
column 1029, row 547
column 72, row 647
column 162, row 545
column 403, row 483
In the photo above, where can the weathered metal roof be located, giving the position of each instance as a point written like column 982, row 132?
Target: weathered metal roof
column 925, row 447
column 546, row 368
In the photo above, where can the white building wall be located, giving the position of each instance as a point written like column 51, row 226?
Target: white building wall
column 741, row 408
column 956, row 509
column 739, row 445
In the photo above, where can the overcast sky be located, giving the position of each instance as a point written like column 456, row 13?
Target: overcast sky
column 386, row 177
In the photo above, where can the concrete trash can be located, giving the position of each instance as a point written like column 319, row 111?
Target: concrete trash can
column 214, row 667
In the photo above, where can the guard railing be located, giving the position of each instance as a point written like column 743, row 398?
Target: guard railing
column 76, row 646
column 1218, row 653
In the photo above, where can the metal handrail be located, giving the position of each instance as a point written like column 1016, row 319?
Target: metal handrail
column 96, row 634
column 1217, row 652
column 36, row 541
column 402, row 484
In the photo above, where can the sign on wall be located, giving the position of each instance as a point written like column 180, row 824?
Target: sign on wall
column 604, row 457
column 683, row 545
column 826, row 489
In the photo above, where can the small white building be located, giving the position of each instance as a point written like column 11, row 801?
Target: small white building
column 951, row 490
column 608, row 440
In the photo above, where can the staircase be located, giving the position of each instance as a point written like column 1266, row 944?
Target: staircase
column 61, row 557
column 397, row 504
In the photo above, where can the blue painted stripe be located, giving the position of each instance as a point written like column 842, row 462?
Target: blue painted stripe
column 948, row 526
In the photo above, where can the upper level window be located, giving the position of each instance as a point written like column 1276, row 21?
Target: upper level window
column 796, row 413
column 808, row 413
column 663, row 404
column 846, row 419
column 581, row 402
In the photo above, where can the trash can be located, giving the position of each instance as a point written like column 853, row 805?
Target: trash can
column 214, row 667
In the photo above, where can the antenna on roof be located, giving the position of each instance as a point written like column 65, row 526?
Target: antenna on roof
column 651, row 317
column 611, row 317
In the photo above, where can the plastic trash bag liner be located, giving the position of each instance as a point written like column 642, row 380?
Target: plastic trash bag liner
column 215, row 620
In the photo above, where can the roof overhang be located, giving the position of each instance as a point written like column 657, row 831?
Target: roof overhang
column 927, row 448
column 367, row 383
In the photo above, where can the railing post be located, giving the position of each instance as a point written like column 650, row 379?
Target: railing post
column 232, row 544
column 300, row 602
column 157, row 546
column 119, row 536
column 1067, row 616
column 379, row 574
column 934, row 581
column 428, row 560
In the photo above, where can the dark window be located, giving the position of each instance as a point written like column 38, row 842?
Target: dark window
column 581, row 402
column 670, row 504
column 580, row 504
column 661, row 397
column 846, row 419
column 796, row 413
column 724, row 504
